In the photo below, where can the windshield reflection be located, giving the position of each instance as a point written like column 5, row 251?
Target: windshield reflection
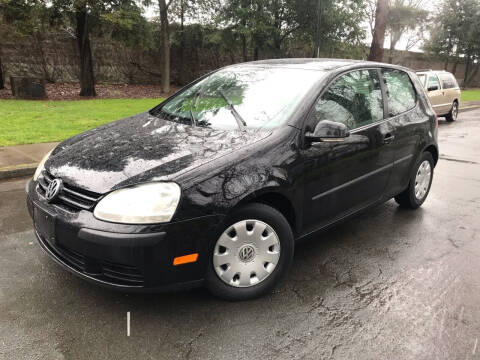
column 232, row 97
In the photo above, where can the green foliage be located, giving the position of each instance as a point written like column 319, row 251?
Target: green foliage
column 456, row 33
column 270, row 24
column 404, row 16
column 28, row 122
column 456, row 29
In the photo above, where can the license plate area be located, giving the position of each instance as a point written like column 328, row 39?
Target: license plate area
column 45, row 224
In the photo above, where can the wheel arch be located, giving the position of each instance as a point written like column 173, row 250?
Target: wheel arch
column 276, row 199
column 432, row 149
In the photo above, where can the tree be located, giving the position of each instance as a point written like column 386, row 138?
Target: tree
column 268, row 26
column 404, row 15
column 85, row 16
column 82, row 33
column 456, row 34
column 165, row 44
column 376, row 49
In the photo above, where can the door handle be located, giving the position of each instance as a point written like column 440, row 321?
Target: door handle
column 388, row 138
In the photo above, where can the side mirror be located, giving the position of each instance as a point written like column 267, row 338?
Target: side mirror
column 328, row 131
column 432, row 88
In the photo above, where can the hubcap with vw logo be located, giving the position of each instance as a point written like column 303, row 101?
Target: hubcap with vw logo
column 246, row 253
column 53, row 189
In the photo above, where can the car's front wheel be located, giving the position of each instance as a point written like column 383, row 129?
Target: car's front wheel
column 420, row 182
column 453, row 114
column 252, row 252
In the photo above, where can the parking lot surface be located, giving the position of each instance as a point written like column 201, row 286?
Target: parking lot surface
column 387, row 284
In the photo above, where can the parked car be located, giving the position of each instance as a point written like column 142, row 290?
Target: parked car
column 214, row 185
column 443, row 91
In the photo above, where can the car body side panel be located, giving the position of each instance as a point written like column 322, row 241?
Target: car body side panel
column 220, row 187
column 415, row 130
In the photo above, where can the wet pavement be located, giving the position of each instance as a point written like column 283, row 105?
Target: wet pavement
column 387, row 284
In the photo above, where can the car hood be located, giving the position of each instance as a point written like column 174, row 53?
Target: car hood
column 141, row 148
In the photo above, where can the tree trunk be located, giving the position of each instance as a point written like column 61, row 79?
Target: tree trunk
column 2, row 80
column 394, row 38
column 165, row 45
column 467, row 71
column 87, row 79
column 244, row 48
column 454, row 68
column 445, row 65
column 182, row 44
column 473, row 75
column 244, row 4
column 316, row 46
column 376, row 50
column 255, row 52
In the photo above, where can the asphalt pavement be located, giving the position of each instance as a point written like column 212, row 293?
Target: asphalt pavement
column 387, row 284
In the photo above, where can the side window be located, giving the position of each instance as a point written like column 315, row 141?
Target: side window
column 401, row 94
column 454, row 81
column 448, row 81
column 354, row 99
column 433, row 81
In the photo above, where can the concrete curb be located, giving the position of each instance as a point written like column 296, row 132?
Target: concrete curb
column 468, row 108
column 15, row 171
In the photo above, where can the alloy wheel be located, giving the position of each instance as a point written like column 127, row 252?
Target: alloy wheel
column 455, row 111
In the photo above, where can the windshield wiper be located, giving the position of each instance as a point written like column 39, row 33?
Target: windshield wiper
column 194, row 102
column 241, row 123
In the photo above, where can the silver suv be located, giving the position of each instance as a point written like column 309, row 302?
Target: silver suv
column 443, row 91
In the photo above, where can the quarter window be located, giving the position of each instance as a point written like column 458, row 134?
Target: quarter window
column 354, row 99
column 448, row 81
column 401, row 95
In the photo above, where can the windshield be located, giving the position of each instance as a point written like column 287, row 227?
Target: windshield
column 243, row 95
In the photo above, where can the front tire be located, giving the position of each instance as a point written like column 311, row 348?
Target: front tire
column 453, row 114
column 254, row 249
column 420, row 182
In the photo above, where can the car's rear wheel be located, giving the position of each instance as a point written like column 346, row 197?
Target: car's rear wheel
column 420, row 182
column 453, row 114
column 253, row 250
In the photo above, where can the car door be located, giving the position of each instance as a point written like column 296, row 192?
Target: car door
column 436, row 97
column 408, row 120
column 450, row 89
column 342, row 177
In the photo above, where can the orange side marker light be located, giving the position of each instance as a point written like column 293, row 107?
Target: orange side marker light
column 185, row 259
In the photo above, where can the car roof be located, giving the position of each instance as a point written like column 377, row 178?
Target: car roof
column 432, row 71
column 317, row 64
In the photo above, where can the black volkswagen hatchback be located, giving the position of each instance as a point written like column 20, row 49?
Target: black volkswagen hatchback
column 216, row 184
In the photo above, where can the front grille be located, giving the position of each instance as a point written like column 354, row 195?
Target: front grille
column 71, row 197
column 110, row 272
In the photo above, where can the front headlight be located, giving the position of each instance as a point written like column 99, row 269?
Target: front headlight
column 141, row 204
column 41, row 165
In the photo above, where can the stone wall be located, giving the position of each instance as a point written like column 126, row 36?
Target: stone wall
column 56, row 61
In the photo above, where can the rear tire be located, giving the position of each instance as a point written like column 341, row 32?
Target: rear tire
column 247, row 261
column 419, row 185
column 453, row 114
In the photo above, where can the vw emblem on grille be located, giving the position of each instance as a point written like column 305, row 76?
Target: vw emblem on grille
column 53, row 189
column 246, row 253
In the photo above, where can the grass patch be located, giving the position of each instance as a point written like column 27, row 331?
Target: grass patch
column 471, row 95
column 28, row 122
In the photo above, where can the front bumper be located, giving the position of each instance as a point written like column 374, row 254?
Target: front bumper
column 125, row 257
